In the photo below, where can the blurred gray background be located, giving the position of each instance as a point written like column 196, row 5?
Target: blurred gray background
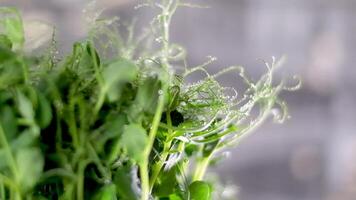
column 313, row 155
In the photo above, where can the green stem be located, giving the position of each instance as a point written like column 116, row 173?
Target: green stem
column 73, row 129
column 168, row 11
column 98, row 77
column 58, row 172
column 201, row 168
column 93, row 154
column 5, row 181
column 97, row 69
column 25, row 72
column 145, row 185
column 100, row 101
column 80, row 180
column 2, row 190
column 113, row 155
column 69, row 190
column 167, row 145
column 159, row 165
column 243, row 133
column 10, row 159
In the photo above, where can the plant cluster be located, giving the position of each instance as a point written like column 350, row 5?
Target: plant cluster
column 116, row 117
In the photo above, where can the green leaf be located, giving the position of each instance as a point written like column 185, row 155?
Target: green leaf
column 43, row 111
column 5, row 42
column 117, row 73
column 11, row 26
column 112, row 130
column 146, row 98
column 126, row 182
column 147, row 94
column 175, row 197
column 191, row 149
column 167, row 183
column 11, row 68
column 173, row 97
column 8, row 121
column 209, row 148
column 107, row 192
column 25, row 106
column 134, row 140
column 200, row 190
column 80, row 60
column 3, row 159
column 90, row 50
column 30, row 164
column 6, row 54
column 11, row 75
column 24, row 140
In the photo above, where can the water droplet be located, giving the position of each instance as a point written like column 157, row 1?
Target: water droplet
column 226, row 154
column 183, row 139
column 159, row 39
column 141, row 5
column 212, row 58
column 160, row 92
column 107, row 181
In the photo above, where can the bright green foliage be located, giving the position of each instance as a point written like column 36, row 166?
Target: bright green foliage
column 107, row 192
column 11, row 27
column 199, row 190
column 30, row 166
column 114, row 119
column 115, row 75
column 133, row 140
column 126, row 182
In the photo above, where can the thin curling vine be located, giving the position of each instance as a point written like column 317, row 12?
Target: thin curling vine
column 116, row 118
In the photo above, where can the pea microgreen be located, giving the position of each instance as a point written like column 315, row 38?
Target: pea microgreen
column 117, row 118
